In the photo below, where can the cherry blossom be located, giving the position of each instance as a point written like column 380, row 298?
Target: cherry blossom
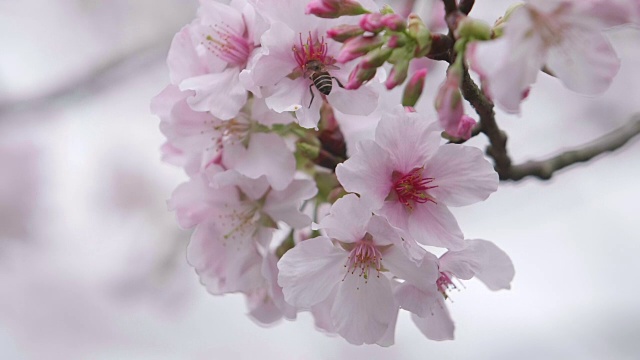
column 564, row 36
column 358, row 257
column 208, row 55
column 408, row 177
column 233, row 222
column 293, row 49
column 480, row 258
column 197, row 139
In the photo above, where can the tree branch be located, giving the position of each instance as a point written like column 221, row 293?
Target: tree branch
column 544, row 169
column 488, row 126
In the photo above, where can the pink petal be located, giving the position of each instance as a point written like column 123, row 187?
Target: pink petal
column 347, row 220
column 223, row 268
column 433, row 224
column 419, row 301
column 407, row 138
column 423, row 275
column 438, row 324
column 285, row 205
column 483, row 259
column 277, row 59
column 354, row 102
column 368, row 173
column 363, row 311
column 462, row 175
column 287, row 95
column 585, row 62
column 310, row 270
column 277, row 165
column 220, row 93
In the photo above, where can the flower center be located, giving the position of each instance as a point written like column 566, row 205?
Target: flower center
column 551, row 28
column 411, row 188
column 445, row 284
column 364, row 256
column 228, row 46
column 314, row 50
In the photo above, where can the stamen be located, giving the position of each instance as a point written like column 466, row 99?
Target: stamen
column 312, row 49
column 364, row 256
column 230, row 47
column 412, row 188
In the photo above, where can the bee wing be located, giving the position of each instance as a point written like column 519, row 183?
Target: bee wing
column 331, row 67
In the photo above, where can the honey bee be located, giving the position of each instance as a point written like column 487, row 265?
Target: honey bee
column 320, row 77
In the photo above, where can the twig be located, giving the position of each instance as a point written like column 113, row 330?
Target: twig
column 488, row 126
column 544, row 169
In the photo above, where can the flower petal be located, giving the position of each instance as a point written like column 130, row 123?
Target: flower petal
column 368, row 173
column 354, row 102
column 462, row 175
column 408, row 139
column 347, row 220
column 363, row 309
column 438, row 324
column 309, row 271
column 220, row 93
column 483, row 259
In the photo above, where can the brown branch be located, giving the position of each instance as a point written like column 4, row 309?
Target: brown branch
column 465, row 6
column 544, row 169
column 488, row 126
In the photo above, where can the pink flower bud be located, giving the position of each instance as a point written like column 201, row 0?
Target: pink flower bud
column 449, row 102
column 396, row 41
column 334, row 8
column 394, row 22
column 398, row 74
column 342, row 33
column 413, row 90
column 359, row 76
column 372, row 22
column 465, row 127
column 358, row 46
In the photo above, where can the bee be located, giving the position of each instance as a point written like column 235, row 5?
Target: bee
column 320, row 77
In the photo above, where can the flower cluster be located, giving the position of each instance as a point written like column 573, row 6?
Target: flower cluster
column 261, row 112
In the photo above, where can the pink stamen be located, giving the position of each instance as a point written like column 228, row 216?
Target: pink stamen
column 311, row 50
column 412, row 188
column 444, row 284
column 364, row 256
column 232, row 48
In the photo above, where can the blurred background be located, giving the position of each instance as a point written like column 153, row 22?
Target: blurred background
column 92, row 265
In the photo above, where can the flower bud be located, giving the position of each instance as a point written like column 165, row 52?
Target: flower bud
column 334, row 8
column 359, row 76
column 398, row 74
column 358, row 46
column 376, row 58
column 465, row 127
column 449, row 102
column 372, row 23
column 419, row 32
column 343, row 33
column 397, row 40
column 394, row 22
column 470, row 28
column 413, row 90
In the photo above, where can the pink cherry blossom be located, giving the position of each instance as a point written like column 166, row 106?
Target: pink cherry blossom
column 358, row 257
column 208, row 55
column 408, row 177
column 563, row 35
column 293, row 49
column 197, row 139
column 449, row 102
column 480, row 258
column 233, row 223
